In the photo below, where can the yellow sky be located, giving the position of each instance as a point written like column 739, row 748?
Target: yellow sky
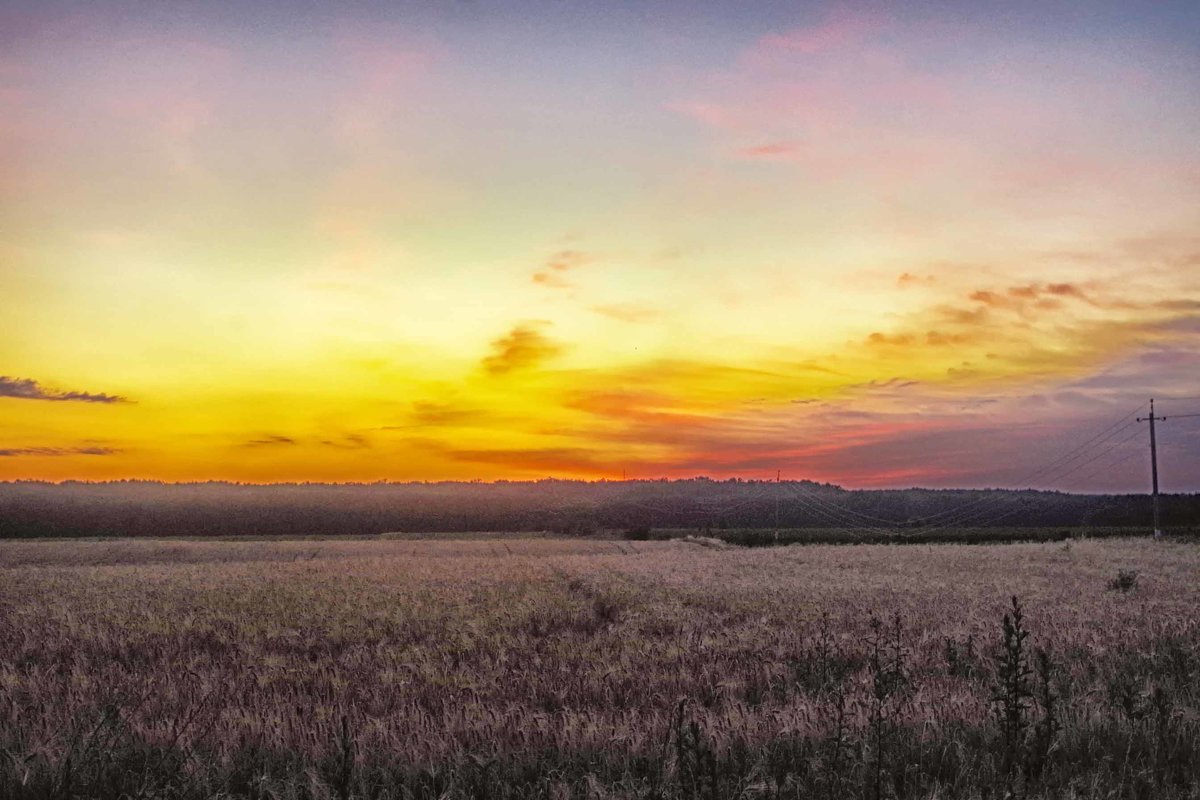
column 840, row 244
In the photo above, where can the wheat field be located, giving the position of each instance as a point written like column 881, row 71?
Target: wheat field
column 556, row 668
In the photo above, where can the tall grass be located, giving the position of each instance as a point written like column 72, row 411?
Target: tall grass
column 544, row 669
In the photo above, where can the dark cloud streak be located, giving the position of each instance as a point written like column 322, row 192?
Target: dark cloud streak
column 270, row 440
column 29, row 389
column 12, row 452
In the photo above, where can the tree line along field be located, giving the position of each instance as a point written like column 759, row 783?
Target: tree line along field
column 33, row 509
column 554, row 668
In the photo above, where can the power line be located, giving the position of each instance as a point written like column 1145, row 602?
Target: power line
column 987, row 509
column 840, row 522
column 1030, row 476
column 1133, row 434
column 1010, row 503
column 1048, row 472
column 841, row 514
column 1065, row 466
column 1110, row 466
column 846, row 510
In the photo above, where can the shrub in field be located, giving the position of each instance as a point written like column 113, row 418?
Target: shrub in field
column 1025, row 704
column 890, row 692
column 1013, row 696
column 1048, row 725
column 1125, row 581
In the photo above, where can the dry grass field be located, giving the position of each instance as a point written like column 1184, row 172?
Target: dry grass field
column 598, row 669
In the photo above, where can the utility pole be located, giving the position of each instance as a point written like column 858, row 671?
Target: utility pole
column 1154, row 458
column 776, row 504
column 1153, row 464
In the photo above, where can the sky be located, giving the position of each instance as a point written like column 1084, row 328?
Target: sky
column 910, row 244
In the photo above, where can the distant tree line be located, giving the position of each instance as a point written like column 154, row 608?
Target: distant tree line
column 147, row 508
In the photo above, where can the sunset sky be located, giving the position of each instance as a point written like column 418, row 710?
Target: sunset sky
column 932, row 244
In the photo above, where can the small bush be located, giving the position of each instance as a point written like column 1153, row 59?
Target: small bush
column 1125, row 581
column 607, row 608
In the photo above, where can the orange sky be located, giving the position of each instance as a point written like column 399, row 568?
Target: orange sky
column 876, row 247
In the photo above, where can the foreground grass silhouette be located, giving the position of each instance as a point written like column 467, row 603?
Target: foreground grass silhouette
column 554, row 668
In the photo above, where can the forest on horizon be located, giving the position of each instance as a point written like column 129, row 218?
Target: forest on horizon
column 150, row 508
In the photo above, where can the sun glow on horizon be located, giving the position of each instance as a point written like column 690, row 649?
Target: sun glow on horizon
column 870, row 247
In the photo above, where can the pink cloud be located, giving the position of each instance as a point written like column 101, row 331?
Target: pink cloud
column 841, row 28
column 837, row 99
column 887, row 105
column 384, row 70
column 711, row 114
column 887, row 102
column 170, row 89
column 771, row 150
column 80, row 83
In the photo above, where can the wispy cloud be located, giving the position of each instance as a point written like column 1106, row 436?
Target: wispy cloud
column 911, row 279
column 523, row 347
column 841, row 28
column 831, row 98
column 382, row 69
column 771, row 150
column 887, row 101
column 576, row 460
column 553, row 273
column 29, row 389
column 1043, row 296
column 11, row 452
column 1057, row 327
column 344, row 441
column 271, row 440
column 348, row 441
column 628, row 312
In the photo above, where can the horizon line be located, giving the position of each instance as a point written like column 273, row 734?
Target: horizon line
column 551, row 479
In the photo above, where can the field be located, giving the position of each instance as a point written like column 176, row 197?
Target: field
column 556, row 668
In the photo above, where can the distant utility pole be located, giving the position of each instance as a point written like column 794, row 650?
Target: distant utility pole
column 776, row 504
column 1154, row 458
column 1153, row 463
